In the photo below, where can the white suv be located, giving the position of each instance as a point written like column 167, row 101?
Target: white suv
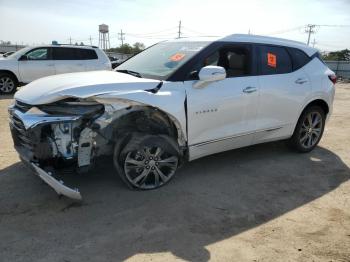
column 176, row 101
column 31, row 63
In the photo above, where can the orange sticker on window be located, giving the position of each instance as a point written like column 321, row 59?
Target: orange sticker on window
column 177, row 57
column 271, row 60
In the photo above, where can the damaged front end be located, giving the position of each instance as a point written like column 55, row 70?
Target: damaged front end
column 56, row 136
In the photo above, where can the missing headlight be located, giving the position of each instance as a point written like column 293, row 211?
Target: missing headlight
column 73, row 107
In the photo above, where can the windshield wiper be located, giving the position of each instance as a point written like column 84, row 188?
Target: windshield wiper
column 133, row 73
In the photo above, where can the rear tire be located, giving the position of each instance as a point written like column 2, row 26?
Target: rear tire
column 8, row 83
column 146, row 161
column 309, row 130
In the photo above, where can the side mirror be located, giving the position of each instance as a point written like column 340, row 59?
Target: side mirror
column 23, row 58
column 210, row 74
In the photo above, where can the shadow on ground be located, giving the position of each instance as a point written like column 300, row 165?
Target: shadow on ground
column 6, row 97
column 209, row 200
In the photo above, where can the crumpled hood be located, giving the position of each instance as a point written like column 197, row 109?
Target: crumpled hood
column 81, row 85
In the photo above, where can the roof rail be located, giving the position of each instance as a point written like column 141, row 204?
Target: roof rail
column 56, row 43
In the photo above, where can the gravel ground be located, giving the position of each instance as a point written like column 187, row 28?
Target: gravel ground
column 262, row 203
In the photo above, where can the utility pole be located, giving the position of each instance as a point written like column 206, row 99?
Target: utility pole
column 314, row 43
column 310, row 29
column 90, row 40
column 121, row 36
column 179, row 32
column 70, row 40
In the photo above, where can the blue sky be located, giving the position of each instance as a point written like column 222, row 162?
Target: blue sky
column 151, row 21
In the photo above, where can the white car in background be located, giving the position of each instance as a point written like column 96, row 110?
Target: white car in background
column 174, row 102
column 31, row 63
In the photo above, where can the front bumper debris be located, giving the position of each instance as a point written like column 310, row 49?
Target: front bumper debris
column 58, row 186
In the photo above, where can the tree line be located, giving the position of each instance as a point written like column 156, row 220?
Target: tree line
column 128, row 49
column 342, row 55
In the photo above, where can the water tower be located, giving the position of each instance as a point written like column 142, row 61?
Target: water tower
column 103, row 39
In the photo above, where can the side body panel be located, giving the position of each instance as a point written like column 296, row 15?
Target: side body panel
column 31, row 70
column 69, row 66
column 281, row 97
column 220, row 115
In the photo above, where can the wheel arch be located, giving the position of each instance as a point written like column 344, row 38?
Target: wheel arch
column 145, row 119
column 11, row 73
column 313, row 102
column 317, row 102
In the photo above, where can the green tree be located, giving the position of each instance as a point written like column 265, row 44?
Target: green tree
column 138, row 47
column 128, row 49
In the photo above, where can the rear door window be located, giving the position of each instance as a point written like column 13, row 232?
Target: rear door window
column 274, row 60
column 65, row 53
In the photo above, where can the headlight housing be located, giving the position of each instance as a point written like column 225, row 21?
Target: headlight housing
column 73, row 107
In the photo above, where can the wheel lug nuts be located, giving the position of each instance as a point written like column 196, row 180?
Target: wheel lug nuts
column 150, row 158
column 157, row 164
column 153, row 167
column 147, row 167
column 146, row 162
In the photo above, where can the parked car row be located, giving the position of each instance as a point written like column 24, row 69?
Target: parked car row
column 32, row 63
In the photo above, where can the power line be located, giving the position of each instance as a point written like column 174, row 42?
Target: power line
column 335, row 25
column 285, row 30
column 155, row 33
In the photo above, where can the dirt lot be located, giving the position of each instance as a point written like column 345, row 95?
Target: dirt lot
column 262, row 203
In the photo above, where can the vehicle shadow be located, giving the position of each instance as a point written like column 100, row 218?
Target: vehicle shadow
column 210, row 199
column 5, row 97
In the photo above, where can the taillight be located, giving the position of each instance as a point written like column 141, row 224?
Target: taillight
column 333, row 78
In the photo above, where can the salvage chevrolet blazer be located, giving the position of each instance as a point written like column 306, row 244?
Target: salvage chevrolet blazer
column 176, row 101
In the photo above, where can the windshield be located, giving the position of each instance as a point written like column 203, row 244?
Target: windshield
column 161, row 60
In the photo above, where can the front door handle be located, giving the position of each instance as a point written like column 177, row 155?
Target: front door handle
column 249, row 89
column 300, row 81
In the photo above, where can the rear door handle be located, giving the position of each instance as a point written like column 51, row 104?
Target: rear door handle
column 249, row 89
column 300, row 81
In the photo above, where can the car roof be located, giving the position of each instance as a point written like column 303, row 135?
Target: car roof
column 247, row 38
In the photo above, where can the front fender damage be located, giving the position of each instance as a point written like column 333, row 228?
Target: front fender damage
column 83, row 141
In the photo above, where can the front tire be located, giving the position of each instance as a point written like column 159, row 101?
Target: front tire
column 309, row 129
column 147, row 161
column 8, row 83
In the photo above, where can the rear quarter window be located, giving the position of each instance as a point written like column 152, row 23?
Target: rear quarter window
column 274, row 60
column 299, row 58
column 87, row 54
